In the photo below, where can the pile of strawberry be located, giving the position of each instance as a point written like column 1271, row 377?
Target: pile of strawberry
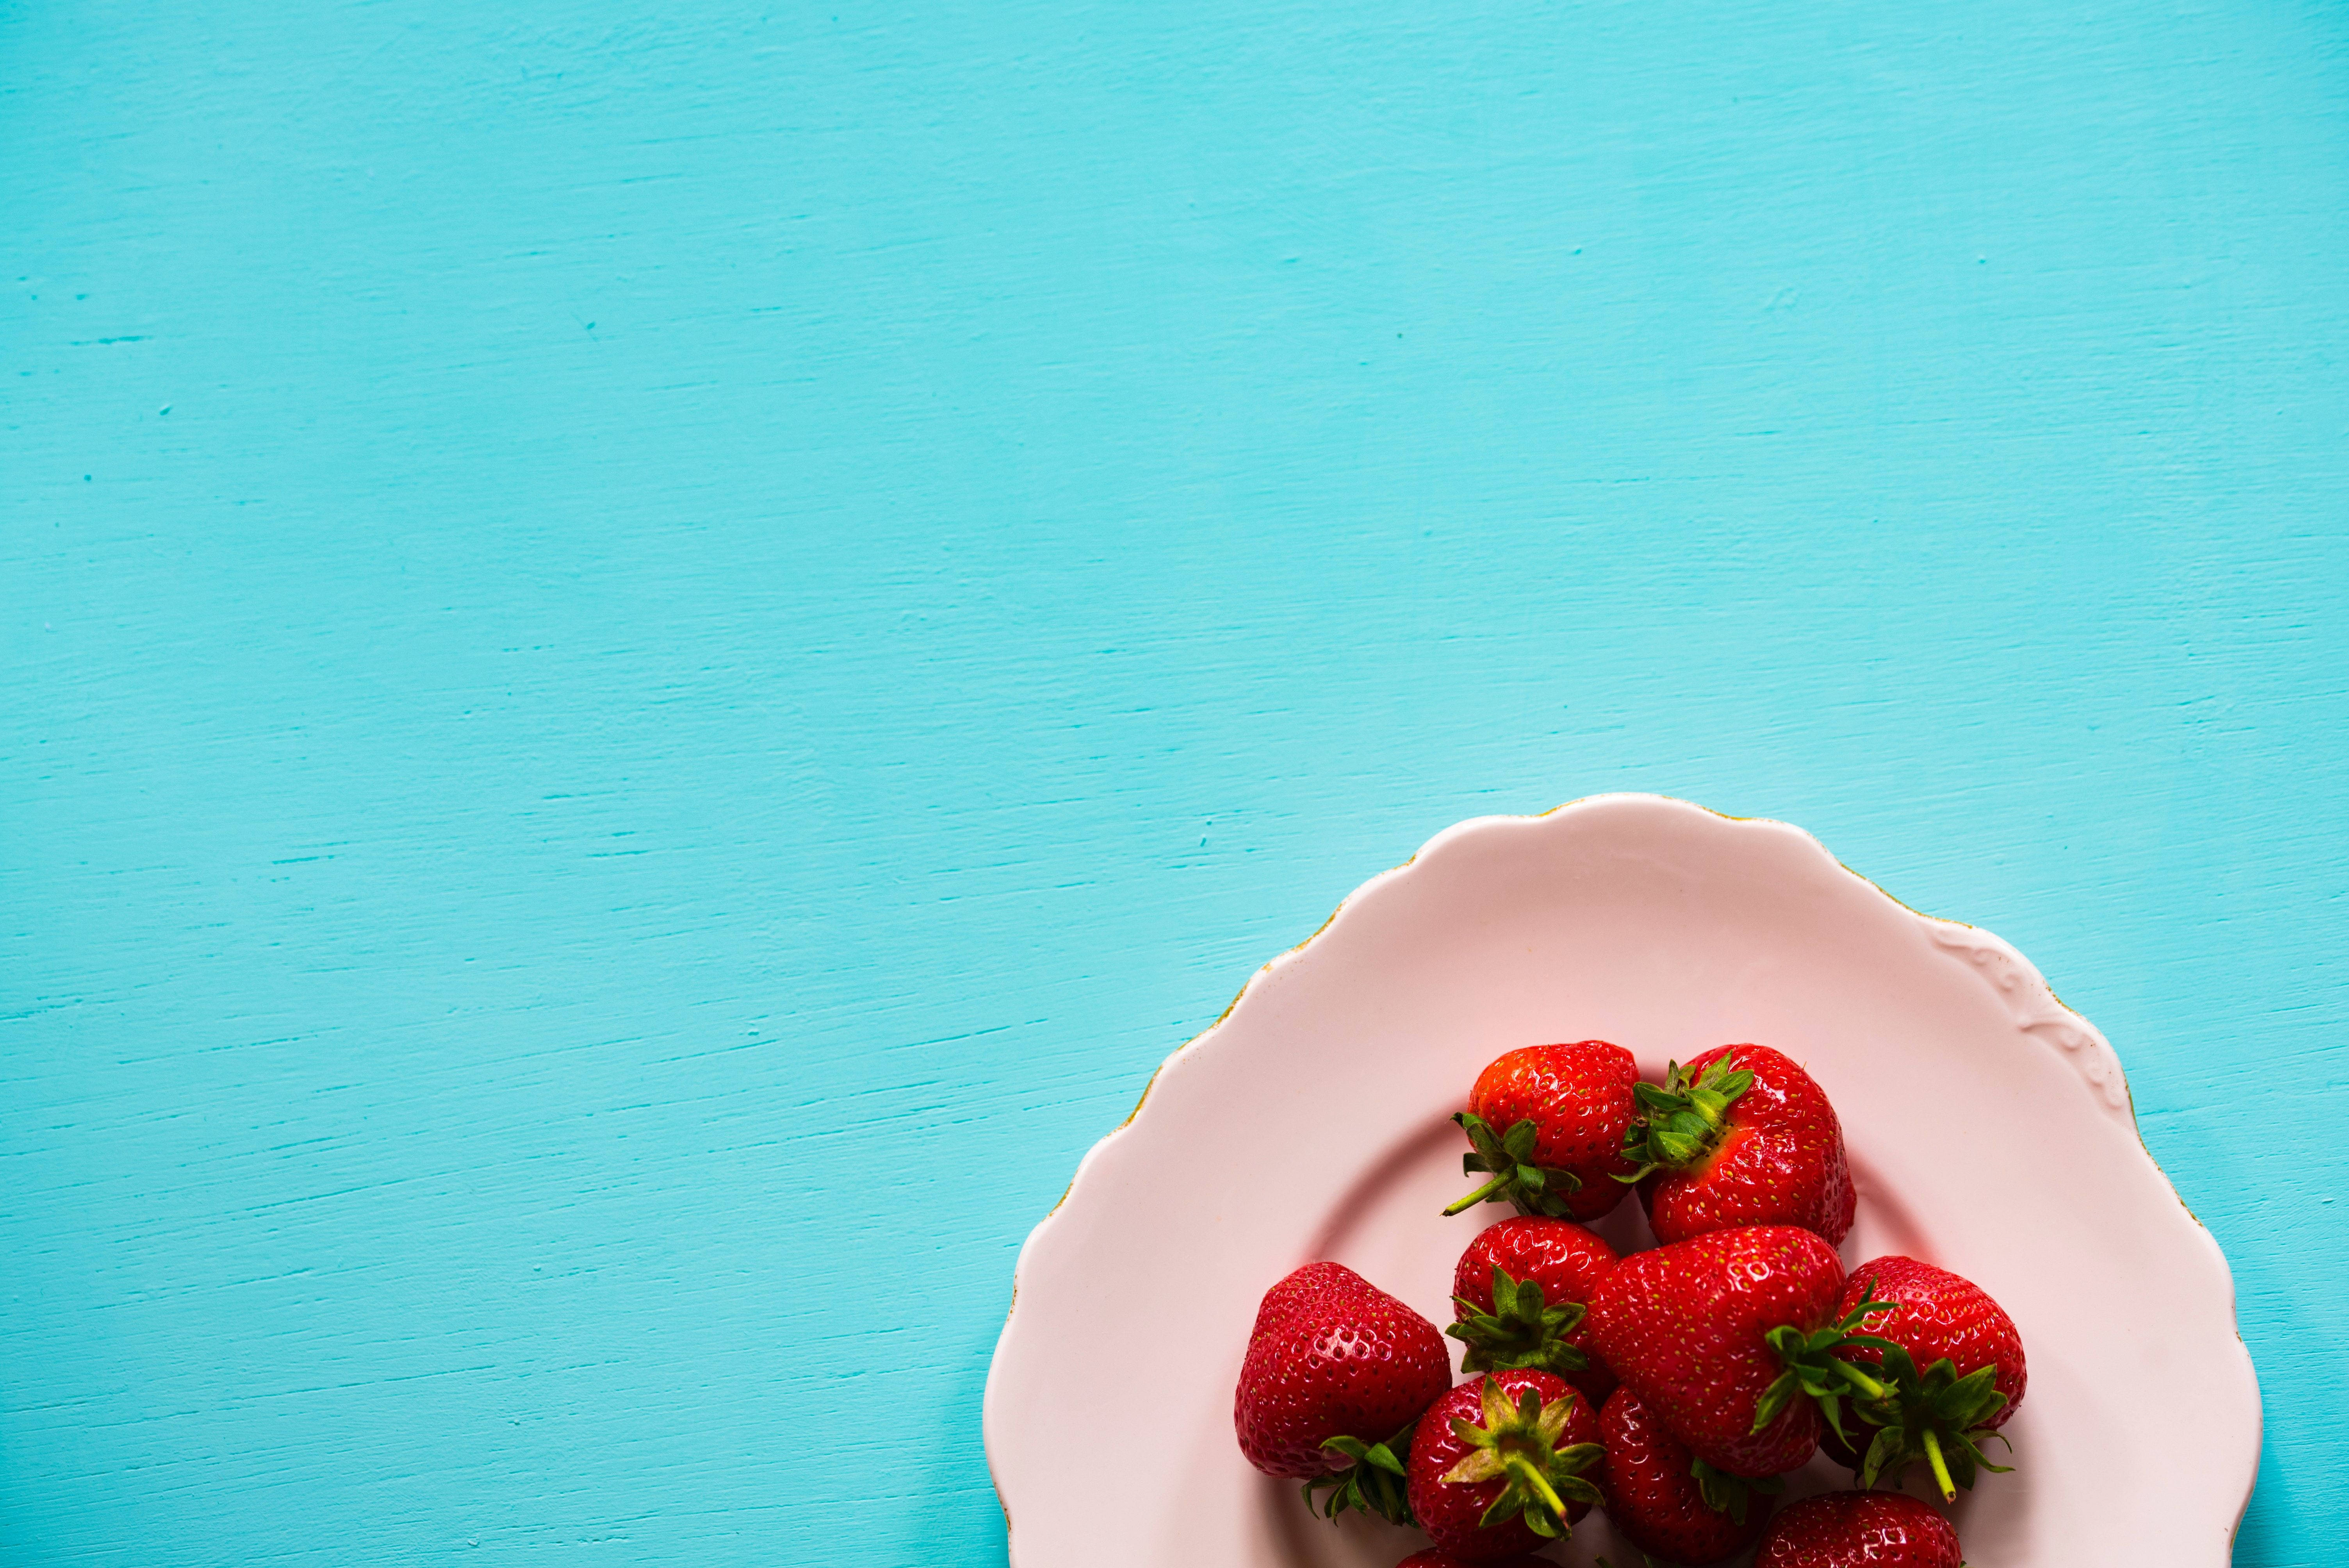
column 1672, row 1387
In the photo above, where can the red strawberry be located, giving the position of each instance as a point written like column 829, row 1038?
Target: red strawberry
column 1740, row 1136
column 1549, row 1124
column 1336, row 1372
column 1496, row 1464
column 1669, row 1503
column 1436, row 1557
column 1955, row 1377
column 1723, row 1335
column 1519, row 1294
column 1858, row 1530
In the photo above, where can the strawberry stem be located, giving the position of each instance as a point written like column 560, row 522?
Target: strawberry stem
column 1522, row 1471
column 1940, row 1470
column 1487, row 1190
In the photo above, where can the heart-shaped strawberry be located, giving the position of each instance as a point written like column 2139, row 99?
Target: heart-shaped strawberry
column 1547, row 1124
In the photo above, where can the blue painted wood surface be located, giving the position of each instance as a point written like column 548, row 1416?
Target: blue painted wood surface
column 653, row 654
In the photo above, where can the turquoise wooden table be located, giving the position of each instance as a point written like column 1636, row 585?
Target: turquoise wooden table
column 653, row 654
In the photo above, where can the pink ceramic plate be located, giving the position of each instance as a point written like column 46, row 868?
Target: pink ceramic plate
column 1989, row 1132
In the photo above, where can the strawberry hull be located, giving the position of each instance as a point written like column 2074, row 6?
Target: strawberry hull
column 1566, row 1260
column 1451, row 1511
column 1686, row 1326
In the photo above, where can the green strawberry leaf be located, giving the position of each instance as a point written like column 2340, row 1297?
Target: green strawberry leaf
column 1373, row 1483
column 1813, row 1371
column 1679, row 1124
column 1508, row 1159
column 1935, row 1417
column 1732, row 1494
column 1518, row 1444
column 1521, row 1330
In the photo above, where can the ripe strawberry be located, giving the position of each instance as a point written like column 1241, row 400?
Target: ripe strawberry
column 1956, row 1373
column 1520, row 1295
column 1858, row 1530
column 1436, row 1557
column 1672, row 1505
column 1740, row 1136
column 1722, row 1338
column 1335, row 1371
column 1490, row 1478
column 1549, row 1124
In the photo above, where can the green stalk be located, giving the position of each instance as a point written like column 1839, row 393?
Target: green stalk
column 1532, row 1479
column 1481, row 1193
column 1941, row 1468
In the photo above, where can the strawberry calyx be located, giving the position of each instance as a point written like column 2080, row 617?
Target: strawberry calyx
column 1373, row 1483
column 1813, row 1370
column 1680, row 1123
column 1732, row 1494
column 1522, row 1330
column 1518, row 1444
column 1935, row 1416
column 1508, row 1157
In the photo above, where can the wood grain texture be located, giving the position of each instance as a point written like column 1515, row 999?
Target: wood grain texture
column 652, row 656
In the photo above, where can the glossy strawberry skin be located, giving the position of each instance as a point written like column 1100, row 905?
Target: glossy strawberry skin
column 1938, row 1316
column 1339, row 1358
column 1566, row 1259
column 1781, row 1162
column 1652, row 1498
column 1684, row 1325
column 1300, row 1289
column 1858, row 1530
column 1579, row 1095
column 1436, row 1557
column 1449, row 1511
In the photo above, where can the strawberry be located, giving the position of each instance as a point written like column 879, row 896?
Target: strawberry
column 1436, row 1557
column 1548, row 1123
column 1497, row 1466
column 1858, row 1530
column 1740, row 1136
column 1518, row 1295
column 1671, row 1505
column 1722, row 1337
column 1336, row 1372
column 1955, row 1374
